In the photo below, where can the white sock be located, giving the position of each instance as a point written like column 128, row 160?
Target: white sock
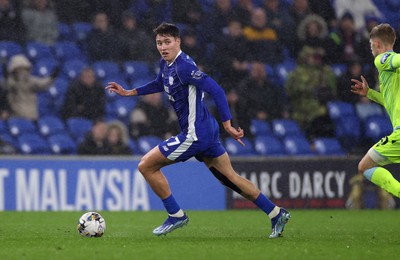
column 274, row 212
column 180, row 214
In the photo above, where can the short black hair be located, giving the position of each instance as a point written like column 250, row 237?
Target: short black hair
column 168, row 29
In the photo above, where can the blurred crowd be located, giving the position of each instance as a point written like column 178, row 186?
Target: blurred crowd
column 274, row 59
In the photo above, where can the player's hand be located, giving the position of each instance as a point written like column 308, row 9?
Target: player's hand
column 115, row 87
column 360, row 87
column 236, row 133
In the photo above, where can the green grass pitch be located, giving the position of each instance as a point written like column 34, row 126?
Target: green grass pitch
column 310, row 234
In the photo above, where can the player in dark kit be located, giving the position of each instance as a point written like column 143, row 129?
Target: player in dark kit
column 185, row 85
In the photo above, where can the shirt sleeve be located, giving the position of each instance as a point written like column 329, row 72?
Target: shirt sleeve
column 151, row 87
column 375, row 96
column 395, row 61
column 192, row 75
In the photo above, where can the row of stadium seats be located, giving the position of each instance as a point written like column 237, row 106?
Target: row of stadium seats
column 278, row 137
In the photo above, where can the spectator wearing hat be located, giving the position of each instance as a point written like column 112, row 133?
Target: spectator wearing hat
column 348, row 43
column 22, row 87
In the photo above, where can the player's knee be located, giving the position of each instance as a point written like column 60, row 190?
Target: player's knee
column 142, row 166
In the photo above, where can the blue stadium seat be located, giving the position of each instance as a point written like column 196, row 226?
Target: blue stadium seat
column 286, row 127
column 268, row 145
column 124, row 106
column 57, row 92
column 46, row 104
column 376, row 127
column 339, row 69
column 62, row 143
column 31, row 143
column 78, row 127
column 337, row 109
column 44, row 67
column 51, row 125
column 72, row 68
column 348, row 130
column 105, row 69
column 282, row 70
column 328, row 146
column 64, row 32
column 9, row 49
column 134, row 146
column 9, row 139
column 3, row 126
column 133, row 70
column 146, row 143
column 36, row 51
column 80, row 30
column 296, row 145
column 19, row 125
column 234, row 148
column 67, row 50
column 260, row 127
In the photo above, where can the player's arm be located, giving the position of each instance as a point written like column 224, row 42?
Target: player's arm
column 361, row 88
column 395, row 61
column 202, row 81
column 149, row 88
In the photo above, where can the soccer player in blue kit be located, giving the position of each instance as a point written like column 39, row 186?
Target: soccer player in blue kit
column 185, row 85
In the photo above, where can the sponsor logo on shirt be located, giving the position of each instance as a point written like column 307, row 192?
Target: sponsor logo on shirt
column 197, row 74
column 384, row 57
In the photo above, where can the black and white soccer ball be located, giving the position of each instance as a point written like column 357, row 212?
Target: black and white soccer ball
column 91, row 224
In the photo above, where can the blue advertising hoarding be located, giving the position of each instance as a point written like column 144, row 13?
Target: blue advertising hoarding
column 36, row 184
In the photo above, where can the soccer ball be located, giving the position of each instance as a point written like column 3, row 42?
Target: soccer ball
column 91, row 224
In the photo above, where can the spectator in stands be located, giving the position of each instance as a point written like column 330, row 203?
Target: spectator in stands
column 264, row 43
column 358, row 10
column 191, row 45
column 152, row 117
column 354, row 70
column 313, row 32
column 348, row 43
column 12, row 27
column 85, row 97
column 298, row 11
column 95, row 142
column 136, row 40
column 187, row 12
column 309, row 87
column 22, row 87
column 118, row 139
column 230, row 58
column 324, row 8
column 41, row 22
column 103, row 43
column 243, row 10
column 259, row 98
column 282, row 22
column 216, row 21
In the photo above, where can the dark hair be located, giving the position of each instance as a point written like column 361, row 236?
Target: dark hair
column 384, row 32
column 167, row 29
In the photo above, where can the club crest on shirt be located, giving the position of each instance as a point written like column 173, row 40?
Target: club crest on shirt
column 198, row 74
column 384, row 57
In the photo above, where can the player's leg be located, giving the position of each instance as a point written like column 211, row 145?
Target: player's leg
column 369, row 167
column 150, row 167
column 222, row 169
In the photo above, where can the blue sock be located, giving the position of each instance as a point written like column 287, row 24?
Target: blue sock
column 171, row 205
column 264, row 203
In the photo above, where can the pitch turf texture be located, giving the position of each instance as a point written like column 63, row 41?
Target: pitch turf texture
column 310, row 234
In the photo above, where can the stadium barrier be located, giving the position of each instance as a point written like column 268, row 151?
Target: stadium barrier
column 114, row 183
